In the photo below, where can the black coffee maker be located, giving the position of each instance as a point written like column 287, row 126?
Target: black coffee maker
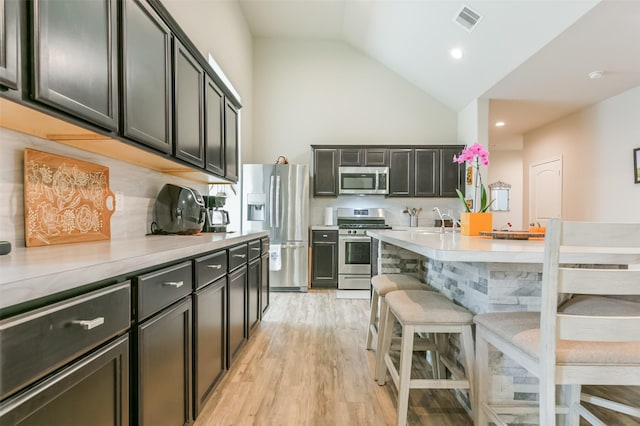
column 216, row 219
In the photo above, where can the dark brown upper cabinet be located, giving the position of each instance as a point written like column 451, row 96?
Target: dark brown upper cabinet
column 451, row 174
column 213, row 127
column 231, row 145
column 364, row 157
column 146, row 76
column 75, row 58
column 9, row 43
column 325, row 172
column 189, row 106
column 376, row 157
column 401, row 169
column 351, row 157
column 426, row 172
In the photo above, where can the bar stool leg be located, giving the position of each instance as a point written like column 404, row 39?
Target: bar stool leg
column 386, row 337
column 372, row 321
column 466, row 338
column 404, row 379
column 382, row 334
column 482, row 384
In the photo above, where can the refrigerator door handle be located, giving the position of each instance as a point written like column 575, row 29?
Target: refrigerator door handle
column 271, row 200
column 277, row 202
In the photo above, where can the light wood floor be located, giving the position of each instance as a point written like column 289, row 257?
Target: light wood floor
column 306, row 365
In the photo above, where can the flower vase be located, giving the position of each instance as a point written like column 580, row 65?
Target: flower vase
column 474, row 223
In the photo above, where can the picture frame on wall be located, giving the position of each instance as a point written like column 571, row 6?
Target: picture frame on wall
column 636, row 164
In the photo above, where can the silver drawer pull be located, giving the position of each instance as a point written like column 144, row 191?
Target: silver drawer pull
column 214, row 266
column 89, row 324
column 255, row 248
column 241, row 256
column 176, row 284
column 325, row 236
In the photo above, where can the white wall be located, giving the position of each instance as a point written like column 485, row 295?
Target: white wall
column 506, row 166
column 326, row 92
column 596, row 145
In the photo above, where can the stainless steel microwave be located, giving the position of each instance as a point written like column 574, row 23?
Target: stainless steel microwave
column 363, row 180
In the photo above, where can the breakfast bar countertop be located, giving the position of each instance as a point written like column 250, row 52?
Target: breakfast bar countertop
column 31, row 273
column 454, row 247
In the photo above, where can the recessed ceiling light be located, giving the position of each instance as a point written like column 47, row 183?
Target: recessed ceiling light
column 456, row 53
column 500, row 124
column 593, row 75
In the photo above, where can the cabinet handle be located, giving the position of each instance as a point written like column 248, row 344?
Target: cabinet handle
column 255, row 248
column 176, row 284
column 325, row 236
column 89, row 324
column 214, row 266
column 241, row 256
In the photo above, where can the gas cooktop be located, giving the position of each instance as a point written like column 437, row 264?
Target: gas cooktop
column 364, row 226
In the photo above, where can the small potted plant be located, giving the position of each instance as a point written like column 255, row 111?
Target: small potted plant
column 475, row 218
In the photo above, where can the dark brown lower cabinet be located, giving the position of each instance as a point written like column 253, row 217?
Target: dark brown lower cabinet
column 237, row 312
column 253, row 278
column 210, row 339
column 264, row 283
column 91, row 391
column 164, row 367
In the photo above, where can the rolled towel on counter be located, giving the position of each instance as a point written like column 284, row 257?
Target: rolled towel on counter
column 275, row 261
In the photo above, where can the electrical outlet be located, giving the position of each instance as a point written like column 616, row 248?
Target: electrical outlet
column 119, row 201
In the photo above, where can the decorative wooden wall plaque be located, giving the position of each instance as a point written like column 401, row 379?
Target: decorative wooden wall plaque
column 65, row 200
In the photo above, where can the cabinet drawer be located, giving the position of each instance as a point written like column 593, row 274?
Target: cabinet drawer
column 237, row 256
column 161, row 288
column 35, row 343
column 265, row 245
column 210, row 268
column 255, row 249
column 324, row 236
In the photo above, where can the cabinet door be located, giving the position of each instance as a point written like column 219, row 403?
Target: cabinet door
column 237, row 312
column 264, row 283
column 164, row 367
column 351, row 157
column 209, row 339
column 253, row 278
column 75, row 58
column 451, row 174
column 325, row 172
column 91, row 391
column 324, row 265
column 189, row 106
column 401, row 182
column 146, row 76
column 376, row 157
column 426, row 172
column 230, row 141
column 9, row 43
column 213, row 128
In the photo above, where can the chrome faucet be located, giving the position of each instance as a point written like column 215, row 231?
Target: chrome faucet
column 437, row 210
column 454, row 221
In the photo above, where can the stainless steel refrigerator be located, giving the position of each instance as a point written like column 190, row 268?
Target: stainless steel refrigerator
column 275, row 198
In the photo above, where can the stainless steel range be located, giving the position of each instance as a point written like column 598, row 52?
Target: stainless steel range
column 354, row 246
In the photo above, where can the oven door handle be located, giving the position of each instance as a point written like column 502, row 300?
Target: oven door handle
column 354, row 239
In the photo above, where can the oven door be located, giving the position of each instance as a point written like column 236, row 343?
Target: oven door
column 354, row 254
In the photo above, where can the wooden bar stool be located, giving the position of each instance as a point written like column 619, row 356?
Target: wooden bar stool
column 382, row 285
column 420, row 311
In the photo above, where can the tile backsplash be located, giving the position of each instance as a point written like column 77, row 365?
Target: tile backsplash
column 139, row 185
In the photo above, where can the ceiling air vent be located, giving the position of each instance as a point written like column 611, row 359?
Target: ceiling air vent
column 467, row 18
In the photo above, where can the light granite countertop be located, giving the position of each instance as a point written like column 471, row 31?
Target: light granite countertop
column 454, row 247
column 31, row 273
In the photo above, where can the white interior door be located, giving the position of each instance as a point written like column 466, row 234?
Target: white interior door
column 545, row 191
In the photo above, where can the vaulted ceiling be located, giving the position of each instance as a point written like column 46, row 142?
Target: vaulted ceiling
column 530, row 58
